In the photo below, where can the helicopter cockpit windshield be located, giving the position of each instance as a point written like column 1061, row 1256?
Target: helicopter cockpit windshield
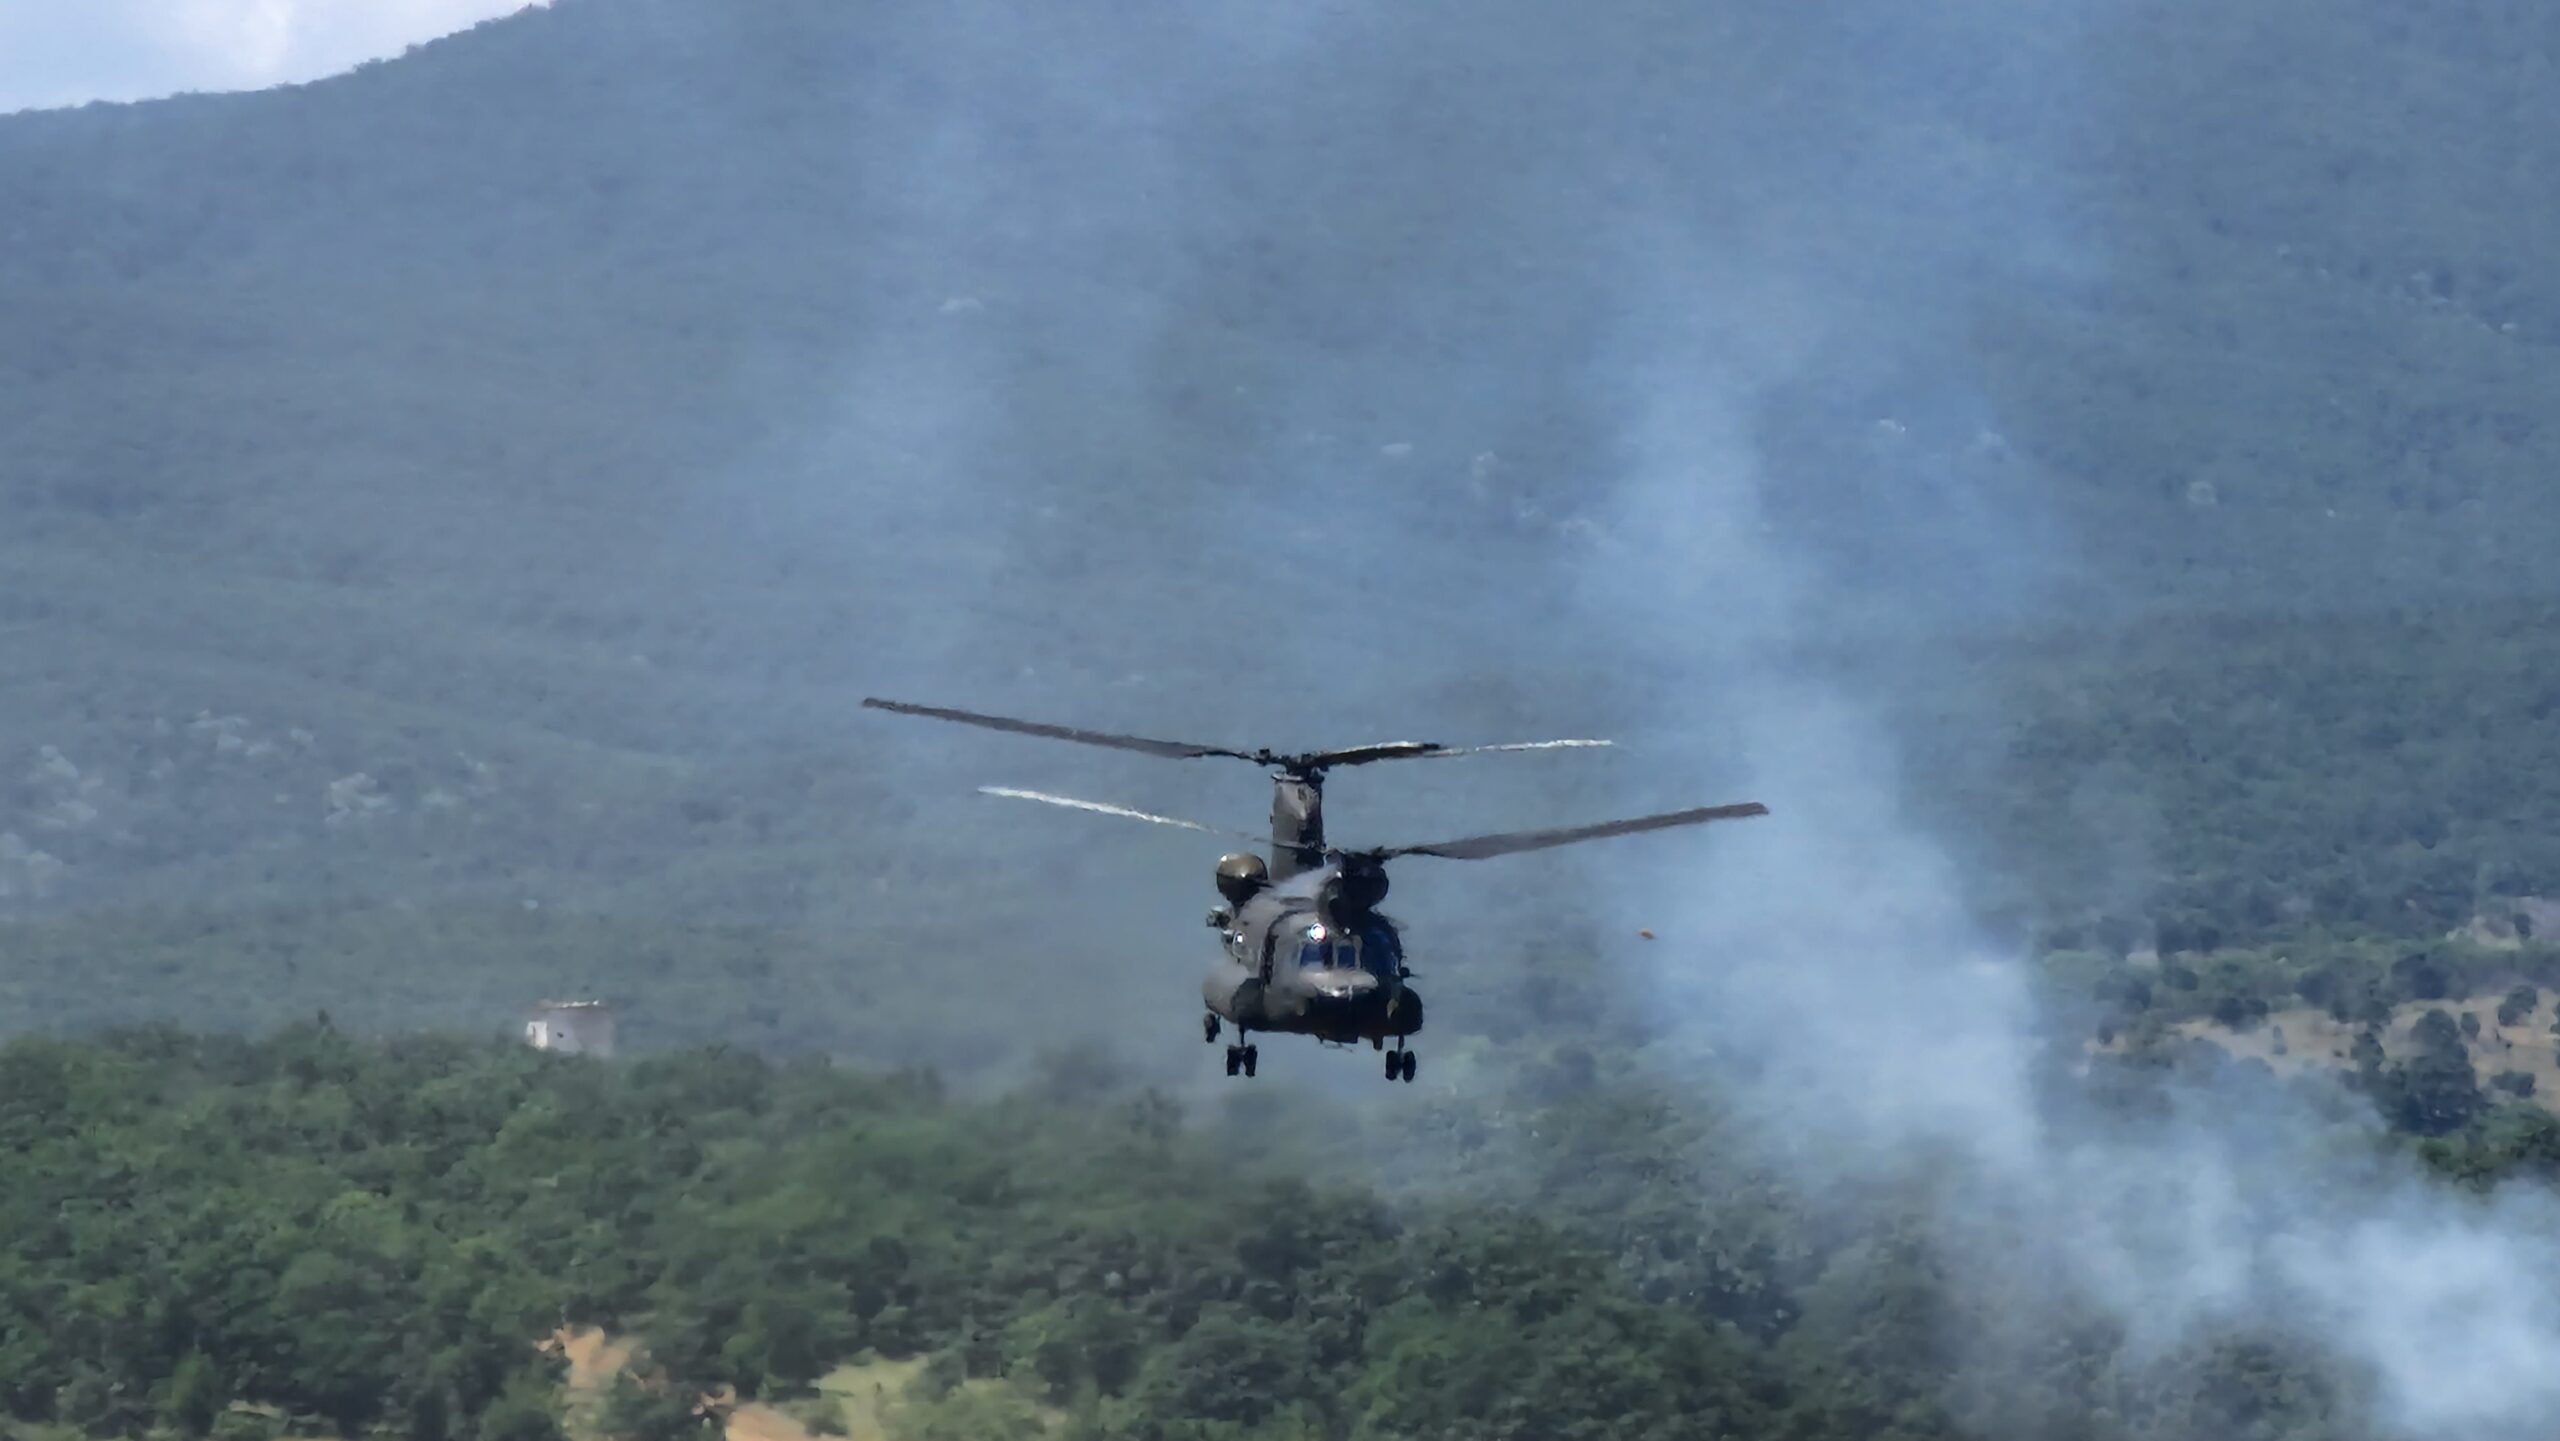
column 1374, row 948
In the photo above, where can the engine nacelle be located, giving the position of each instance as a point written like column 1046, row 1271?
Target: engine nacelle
column 1240, row 876
column 1362, row 886
column 1352, row 893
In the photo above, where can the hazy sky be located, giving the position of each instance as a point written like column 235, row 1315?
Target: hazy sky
column 66, row 52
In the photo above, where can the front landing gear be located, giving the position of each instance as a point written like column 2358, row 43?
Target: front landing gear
column 1240, row 1057
column 1400, row 1064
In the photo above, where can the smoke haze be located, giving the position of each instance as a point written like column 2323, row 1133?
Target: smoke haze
column 1828, row 974
column 1622, row 260
column 1677, row 284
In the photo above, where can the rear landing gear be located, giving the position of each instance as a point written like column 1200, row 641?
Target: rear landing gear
column 1209, row 1028
column 1400, row 1065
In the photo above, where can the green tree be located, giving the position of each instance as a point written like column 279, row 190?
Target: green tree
column 2438, row 1090
column 2518, row 1005
column 636, row 1411
column 977, row 1412
column 196, row 1395
column 525, row 1411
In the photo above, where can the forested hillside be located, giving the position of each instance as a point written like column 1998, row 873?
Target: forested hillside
column 453, row 507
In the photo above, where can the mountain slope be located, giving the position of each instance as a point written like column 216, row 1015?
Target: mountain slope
column 563, row 425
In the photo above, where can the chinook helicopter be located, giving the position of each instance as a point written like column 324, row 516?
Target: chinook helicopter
column 1307, row 951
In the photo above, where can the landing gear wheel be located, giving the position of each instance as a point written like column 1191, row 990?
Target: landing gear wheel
column 1235, row 1059
column 1209, row 1028
column 1251, row 1055
column 1394, row 1061
column 1407, row 1068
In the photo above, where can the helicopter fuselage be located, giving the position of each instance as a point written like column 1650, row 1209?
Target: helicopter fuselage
column 1288, row 970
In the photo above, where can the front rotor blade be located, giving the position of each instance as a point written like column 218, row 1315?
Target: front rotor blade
column 1103, row 808
column 1425, row 750
column 1178, row 750
column 1476, row 848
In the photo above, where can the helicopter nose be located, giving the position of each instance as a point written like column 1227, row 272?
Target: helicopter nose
column 1347, row 986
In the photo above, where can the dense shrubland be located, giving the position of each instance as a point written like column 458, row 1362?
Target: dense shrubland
column 328, row 1236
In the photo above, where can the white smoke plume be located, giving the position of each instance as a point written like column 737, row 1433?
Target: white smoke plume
column 1825, row 967
column 1827, row 972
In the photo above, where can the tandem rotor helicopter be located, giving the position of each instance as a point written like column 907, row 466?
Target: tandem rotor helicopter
column 1307, row 952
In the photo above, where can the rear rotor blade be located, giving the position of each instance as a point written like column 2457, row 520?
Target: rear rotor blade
column 1476, row 848
column 1522, row 746
column 1104, row 808
column 1178, row 750
column 1359, row 755
column 1305, row 762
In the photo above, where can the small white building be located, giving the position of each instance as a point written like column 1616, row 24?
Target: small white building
column 573, row 1028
